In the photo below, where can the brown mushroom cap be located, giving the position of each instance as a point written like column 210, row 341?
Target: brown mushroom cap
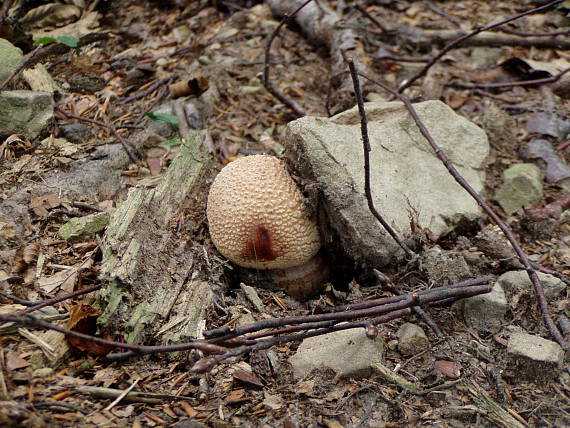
column 256, row 215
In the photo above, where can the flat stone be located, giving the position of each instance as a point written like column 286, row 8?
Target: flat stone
column 517, row 284
column 534, row 357
column 348, row 352
column 412, row 339
column 522, row 187
column 12, row 58
column 486, row 311
column 25, row 112
column 407, row 178
column 81, row 227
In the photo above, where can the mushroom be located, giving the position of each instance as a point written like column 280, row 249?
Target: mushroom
column 257, row 219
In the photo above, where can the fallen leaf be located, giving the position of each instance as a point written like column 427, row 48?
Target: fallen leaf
column 235, row 396
column 450, row 369
column 40, row 204
column 248, row 378
column 14, row 361
column 305, row 387
column 65, row 279
column 83, row 319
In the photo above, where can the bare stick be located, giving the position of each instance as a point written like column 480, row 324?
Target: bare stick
column 267, row 62
column 148, row 90
column 442, row 13
column 112, row 128
column 538, row 287
column 550, row 79
column 55, row 300
column 424, row 316
column 460, row 40
column 367, row 149
column 219, row 340
column 363, row 11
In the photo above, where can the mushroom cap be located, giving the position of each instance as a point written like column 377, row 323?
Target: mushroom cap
column 257, row 217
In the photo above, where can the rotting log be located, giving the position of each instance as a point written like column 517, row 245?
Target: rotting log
column 156, row 288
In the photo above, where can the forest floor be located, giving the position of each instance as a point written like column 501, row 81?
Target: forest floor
column 224, row 47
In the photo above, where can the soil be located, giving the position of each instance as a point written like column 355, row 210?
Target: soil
column 44, row 182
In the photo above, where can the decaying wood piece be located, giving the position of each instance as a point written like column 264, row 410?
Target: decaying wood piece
column 157, row 291
column 323, row 26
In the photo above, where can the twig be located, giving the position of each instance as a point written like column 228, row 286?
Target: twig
column 459, row 40
column 150, row 89
column 445, row 385
column 225, row 343
column 442, row 13
column 402, row 58
column 424, row 316
column 55, row 300
column 538, row 287
column 463, row 284
column 367, row 149
column 349, row 312
column 372, row 19
column 550, row 79
column 123, row 395
column 112, row 128
column 267, row 62
column 132, row 397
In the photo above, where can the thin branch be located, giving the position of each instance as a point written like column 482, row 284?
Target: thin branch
column 366, row 142
column 424, row 316
column 372, row 19
column 550, row 79
column 538, row 287
column 442, row 13
column 458, row 41
column 150, row 89
column 227, row 342
column 267, row 62
column 112, row 128
column 55, row 300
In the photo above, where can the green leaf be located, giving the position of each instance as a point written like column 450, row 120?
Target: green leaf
column 44, row 41
column 163, row 118
column 70, row 41
column 171, row 143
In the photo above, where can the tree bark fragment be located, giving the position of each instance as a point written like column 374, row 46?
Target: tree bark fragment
column 151, row 258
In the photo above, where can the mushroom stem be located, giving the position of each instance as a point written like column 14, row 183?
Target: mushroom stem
column 304, row 281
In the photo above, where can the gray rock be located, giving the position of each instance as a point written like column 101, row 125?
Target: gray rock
column 75, row 132
column 348, row 352
column 486, row 311
column 412, row 339
column 517, row 284
column 25, row 112
column 408, row 181
column 522, row 187
column 81, row 227
column 12, row 58
column 534, row 357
